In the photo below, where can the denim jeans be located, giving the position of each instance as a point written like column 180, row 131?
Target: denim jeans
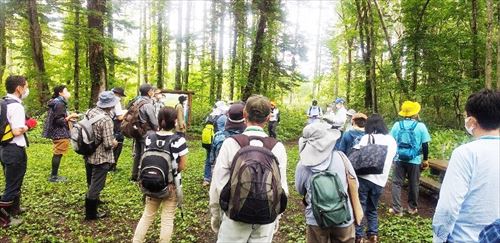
column 207, row 175
column 14, row 163
column 369, row 194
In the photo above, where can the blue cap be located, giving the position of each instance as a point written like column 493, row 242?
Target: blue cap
column 339, row 100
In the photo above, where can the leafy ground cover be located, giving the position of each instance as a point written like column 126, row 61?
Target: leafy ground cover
column 55, row 211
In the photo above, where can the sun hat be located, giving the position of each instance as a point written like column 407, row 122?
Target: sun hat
column 339, row 100
column 119, row 91
column 258, row 106
column 235, row 119
column 107, row 99
column 359, row 115
column 409, row 108
column 351, row 112
column 317, row 143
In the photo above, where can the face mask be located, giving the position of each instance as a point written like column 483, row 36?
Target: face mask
column 25, row 94
column 469, row 129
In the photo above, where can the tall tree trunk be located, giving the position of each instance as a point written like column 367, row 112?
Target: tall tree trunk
column 76, row 71
column 242, row 48
column 395, row 61
column 111, row 55
column 3, row 46
column 36, row 46
column 213, row 29
column 255, row 66
column 144, row 45
column 365, row 48
column 373, row 49
column 489, row 45
column 475, row 56
column 220, row 59
column 187, row 40
column 178, row 50
column 97, row 65
column 416, row 45
column 350, row 42
column 236, row 19
column 159, row 45
column 498, row 47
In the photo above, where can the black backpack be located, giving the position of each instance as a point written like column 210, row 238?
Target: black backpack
column 253, row 194
column 157, row 166
column 5, row 130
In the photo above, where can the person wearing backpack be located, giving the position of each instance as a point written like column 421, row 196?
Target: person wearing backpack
column 321, row 177
column 469, row 199
column 352, row 137
column 235, row 124
column 14, row 141
column 240, row 154
column 371, row 186
column 178, row 150
column 147, row 120
column 208, row 134
column 56, row 128
column 314, row 113
column 98, row 163
column 412, row 138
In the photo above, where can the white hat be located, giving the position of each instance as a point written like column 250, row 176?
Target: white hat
column 317, row 143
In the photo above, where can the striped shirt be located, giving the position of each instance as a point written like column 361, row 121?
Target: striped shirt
column 103, row 134
column 178, row 148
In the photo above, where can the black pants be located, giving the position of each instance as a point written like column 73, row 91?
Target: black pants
column 138, row 151
column 96, row 179
column 272, row 128
column 14, row 160
column 118, row 149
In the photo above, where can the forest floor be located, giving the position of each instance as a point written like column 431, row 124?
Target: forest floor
column 55, row 212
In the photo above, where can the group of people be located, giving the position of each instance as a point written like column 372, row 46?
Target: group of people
column 246, row 169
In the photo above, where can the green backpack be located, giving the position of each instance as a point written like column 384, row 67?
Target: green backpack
column 329, row 200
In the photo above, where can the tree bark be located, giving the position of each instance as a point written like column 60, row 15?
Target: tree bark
column 416, row 39
column 97, row 65
column 213, row 29
column 489, row 45
column 255, row 66
column 187, row 40
column 373, row 49
column 475, row 56
column 144, row 45
column 395, row 61
column 220, row 59
column 159, row 46
column 178, row 50
column 362, row 16
column 111, row 56
column 37, row 51
column 76, row 70
column 3, row 45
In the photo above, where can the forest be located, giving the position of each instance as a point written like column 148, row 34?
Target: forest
column 375, row 54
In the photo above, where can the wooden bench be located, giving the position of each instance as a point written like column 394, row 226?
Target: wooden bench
column 438, row 167
column 430, row 184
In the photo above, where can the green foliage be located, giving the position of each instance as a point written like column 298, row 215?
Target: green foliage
column 291, row 124
column 445, row 141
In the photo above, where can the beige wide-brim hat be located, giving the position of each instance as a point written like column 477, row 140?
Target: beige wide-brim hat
column 317, row 143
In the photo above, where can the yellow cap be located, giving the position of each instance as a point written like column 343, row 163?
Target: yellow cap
column 409, row 108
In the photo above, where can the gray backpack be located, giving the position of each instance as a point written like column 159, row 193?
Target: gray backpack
column 82, row 135
column 253, row 194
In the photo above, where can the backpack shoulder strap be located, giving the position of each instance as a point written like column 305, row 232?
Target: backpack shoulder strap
column 344, row 160
column 242, row 140
column 269, row 142
column 413, row 126
column 96, row 118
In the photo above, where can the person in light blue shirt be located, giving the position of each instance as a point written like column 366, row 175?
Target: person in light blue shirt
column 408, row 162
column 469, row 199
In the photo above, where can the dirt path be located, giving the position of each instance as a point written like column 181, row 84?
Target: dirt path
column 426, row 202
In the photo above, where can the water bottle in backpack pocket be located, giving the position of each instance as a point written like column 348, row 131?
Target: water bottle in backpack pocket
column 407, row 144
column 253, row 194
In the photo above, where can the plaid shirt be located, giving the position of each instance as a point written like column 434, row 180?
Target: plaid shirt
column 103, row 132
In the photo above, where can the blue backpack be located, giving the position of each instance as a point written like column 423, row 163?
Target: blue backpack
column 407, row 143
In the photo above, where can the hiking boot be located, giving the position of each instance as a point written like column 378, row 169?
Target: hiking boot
column 412, row 211
column 372, row 239
column 91, row 210
column 394, row 212
column 206, row 183
column 57, row 179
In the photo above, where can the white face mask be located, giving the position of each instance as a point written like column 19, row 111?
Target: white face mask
column 469, row 129
column 25, row 94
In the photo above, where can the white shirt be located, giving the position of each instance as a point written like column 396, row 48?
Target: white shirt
column 118, row 108
column 222, row 169
column 381, row 139
column 17, row 119
column 274, row 115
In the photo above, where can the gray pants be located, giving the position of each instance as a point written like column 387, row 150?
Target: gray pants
column 138, row 151
column 14, row 162
column 404, row 170
column 96, row 175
